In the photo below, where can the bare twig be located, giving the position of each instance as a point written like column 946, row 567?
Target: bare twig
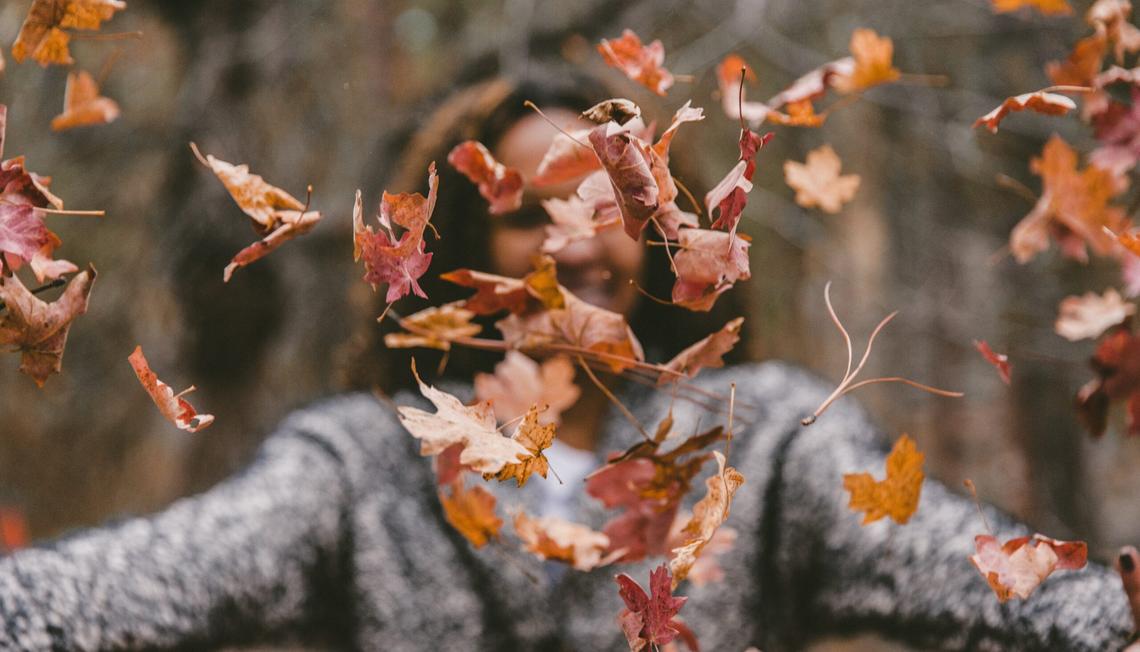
column 848, row 384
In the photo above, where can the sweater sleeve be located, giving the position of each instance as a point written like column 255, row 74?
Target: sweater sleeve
column 912, row 582
column 242, row 559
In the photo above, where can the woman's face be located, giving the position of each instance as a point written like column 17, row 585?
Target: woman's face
column 597, row 270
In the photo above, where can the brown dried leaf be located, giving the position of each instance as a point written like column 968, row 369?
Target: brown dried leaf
column 83, row 105
column 1090, row 315
column 172, row 406
column 818, row 182
column 38, row 329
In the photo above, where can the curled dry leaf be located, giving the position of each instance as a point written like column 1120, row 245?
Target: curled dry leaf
column 649, row 619
column 1090, row 315
column 1039, row 101
column 1046, row 7
column 708, row 515
column 643, row 64
column 619, row 110
column 626, row 160
column 708, row 352
column 1116, row 363
column 38, row 330
column 1073, row 208
column 727, row 199
column 550, row 537
column 818, row 182
column 434, row 328
column 519, row 383
column 399, row 262
column 172, row 406
column 708, row 264
column 471, row 512
column 1000, row 361
column 83, row 105
column 276, row 216
column 1017, row 567
column 897, row 494
column 500, row 185
column 42, row 36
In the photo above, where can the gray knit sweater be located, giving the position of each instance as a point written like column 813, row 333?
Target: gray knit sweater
column 335, row 532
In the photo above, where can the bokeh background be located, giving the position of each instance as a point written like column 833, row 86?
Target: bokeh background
column 313, row 91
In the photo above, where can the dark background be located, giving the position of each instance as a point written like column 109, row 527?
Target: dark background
column 311, row 91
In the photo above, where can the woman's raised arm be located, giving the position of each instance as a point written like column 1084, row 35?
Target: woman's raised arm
column 915, row 581
column 257, row 554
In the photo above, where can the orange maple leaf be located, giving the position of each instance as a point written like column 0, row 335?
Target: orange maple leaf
column 42, row 36
column 708, row 515
column 817, row 181
column 471, row 512
column 1073, row 208
column 434, row 327
column 873, row 56
column 641, row 63
column 897, row 494
column 83, row 105
column 550, row 537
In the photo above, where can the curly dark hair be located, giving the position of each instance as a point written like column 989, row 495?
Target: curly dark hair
column 484, row 110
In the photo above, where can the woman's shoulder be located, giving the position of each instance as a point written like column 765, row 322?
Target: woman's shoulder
column 360, row 429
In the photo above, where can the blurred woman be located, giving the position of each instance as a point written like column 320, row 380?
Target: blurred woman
column 335, row 533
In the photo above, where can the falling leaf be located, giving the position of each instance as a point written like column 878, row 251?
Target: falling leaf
column 434, row 327
column 277, row 216
column 1087, row 316
column 641, row 63
column 1073, row 208
column 485, row 449
column 1116, row 363
column 568, row 158
column 571, row 220
column 1083, row 63
column 550, row 537
column 493, row 293
column 519, row 382
column 398, row 262
column 172, row 406
column 648, row 619
column 708, row 264
column 727, row 199
column 83, row 105
column 1039, row 101
column 897, row 494
column 1046, row 7
column 471, row 512
column 873, row 66
column 42, row 37
column 535, row 437
column 1017, row 567
column 818, row 182
column 1000, row 361
column 1113, row 19
column 708, row 353
column 38, row 329
column 500, row 185
column 708, row 515
column 648, row 486
column 618, row 109
column 626, row 160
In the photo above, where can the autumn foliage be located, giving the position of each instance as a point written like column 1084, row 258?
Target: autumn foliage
column 553, row 341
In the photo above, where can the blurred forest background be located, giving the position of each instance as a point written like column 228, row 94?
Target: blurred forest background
column 312, row 91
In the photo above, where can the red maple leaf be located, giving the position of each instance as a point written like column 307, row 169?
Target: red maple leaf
column 648, row 619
